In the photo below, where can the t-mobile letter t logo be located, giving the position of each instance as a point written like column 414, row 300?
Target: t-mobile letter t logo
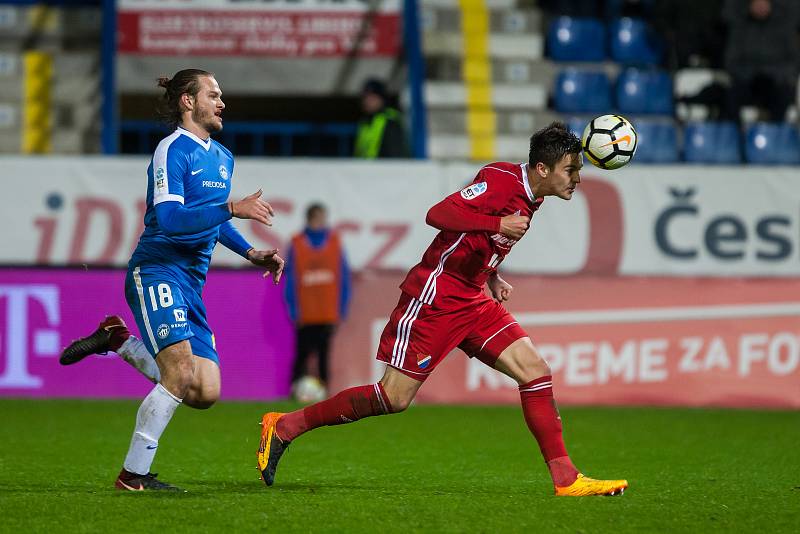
column 15, row 345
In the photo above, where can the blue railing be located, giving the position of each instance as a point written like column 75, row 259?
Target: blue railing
column 281, row 139
column 416, row 79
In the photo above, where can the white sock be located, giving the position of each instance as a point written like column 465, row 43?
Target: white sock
column 151, row 420
column 135, row 353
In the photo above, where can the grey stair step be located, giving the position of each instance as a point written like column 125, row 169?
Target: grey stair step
column 526, row 46
column 76, row 64
column 507, row 122
column 10, row 142
column 83, row 22
column 82, row 117
column 452, row 4
column 437, row 19
column 75, row 90
column 11, row 89
column 519, row 96
column 508, row 148
column 9, row 116
column 512, row 71
column 74, row 141
column 10, row 65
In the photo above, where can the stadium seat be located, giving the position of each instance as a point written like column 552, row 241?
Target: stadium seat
column 772, row 144
column 657, row 141
column 633, row 42
column 576, row 39
column 711, row 142
column 581, row 91
column 644, row 91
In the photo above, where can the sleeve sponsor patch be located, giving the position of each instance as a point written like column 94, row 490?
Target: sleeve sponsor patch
column 474, row 190
column 161, row 180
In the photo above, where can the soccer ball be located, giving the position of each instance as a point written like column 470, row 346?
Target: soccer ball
column 609, row 141
column 308, row 389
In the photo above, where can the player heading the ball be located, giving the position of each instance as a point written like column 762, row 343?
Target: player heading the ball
column 442, row 306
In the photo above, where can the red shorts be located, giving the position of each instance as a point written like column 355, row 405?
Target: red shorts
column 418, row 336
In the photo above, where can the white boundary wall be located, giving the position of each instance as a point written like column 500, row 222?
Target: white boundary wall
column 641, row 220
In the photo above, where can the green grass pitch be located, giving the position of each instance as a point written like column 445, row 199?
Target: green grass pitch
column 432, row 469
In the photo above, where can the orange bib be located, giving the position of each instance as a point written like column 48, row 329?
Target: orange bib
column 318, row 273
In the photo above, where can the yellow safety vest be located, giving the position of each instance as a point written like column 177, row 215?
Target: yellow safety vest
column 370, row 133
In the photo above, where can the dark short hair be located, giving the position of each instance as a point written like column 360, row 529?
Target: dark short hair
column 312, row 209
column 552, row 143
column 184, row 81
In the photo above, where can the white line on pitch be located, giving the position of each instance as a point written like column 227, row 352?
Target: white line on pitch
column 646, row 315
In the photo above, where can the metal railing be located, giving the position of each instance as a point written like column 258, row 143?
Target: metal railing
column 280, row 139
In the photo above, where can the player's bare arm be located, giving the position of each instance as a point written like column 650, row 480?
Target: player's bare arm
column 252, row 207
column 500, row 289
column 270, row 260
column 514, row 226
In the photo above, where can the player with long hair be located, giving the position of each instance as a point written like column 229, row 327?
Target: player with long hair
column 188, row 212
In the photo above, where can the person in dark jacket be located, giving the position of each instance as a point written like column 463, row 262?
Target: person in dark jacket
column 380, row 131
column 694, row 32
column 762, row 55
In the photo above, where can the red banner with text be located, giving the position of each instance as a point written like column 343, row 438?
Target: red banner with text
column 300, row 28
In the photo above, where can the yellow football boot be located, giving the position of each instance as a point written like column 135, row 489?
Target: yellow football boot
column 585, row 486
column 270, row 449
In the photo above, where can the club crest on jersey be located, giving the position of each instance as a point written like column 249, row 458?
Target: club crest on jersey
column 423, row 361
column 163, row 331
column 223, row 172
column 474, row 190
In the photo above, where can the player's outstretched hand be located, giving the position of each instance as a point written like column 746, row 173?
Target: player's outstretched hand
column 501, row 290
column 514, row 226
column 252, row 207
column 268, row 259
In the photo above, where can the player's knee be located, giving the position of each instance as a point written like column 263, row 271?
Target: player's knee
column 209, row 397
column 533, row 366
column 399, row 398
column 400, row 403
column 178, row 378
column 528, row 364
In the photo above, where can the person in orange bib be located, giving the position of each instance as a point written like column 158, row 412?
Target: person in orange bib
column 317, row 292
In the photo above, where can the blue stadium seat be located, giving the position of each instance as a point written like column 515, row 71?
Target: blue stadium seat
column 657, row 141
column 772, row 144
column 633, row 42
column 644, row 91
column 576, row 39
column 711, row 142
column 582, row 91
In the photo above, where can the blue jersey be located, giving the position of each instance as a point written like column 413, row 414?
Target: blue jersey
column 197, row 174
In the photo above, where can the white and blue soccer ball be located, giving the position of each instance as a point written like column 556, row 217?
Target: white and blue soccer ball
column 309, row 389
column 609, row 141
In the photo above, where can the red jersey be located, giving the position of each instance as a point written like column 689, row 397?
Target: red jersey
column 457, row 264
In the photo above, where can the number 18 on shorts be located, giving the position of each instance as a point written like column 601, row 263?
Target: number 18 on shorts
column 159, row 307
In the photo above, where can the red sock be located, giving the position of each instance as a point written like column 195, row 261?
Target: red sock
column 344, row 407
column 541, row 415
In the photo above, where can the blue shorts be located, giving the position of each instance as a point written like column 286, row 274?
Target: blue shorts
column 168, row 309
